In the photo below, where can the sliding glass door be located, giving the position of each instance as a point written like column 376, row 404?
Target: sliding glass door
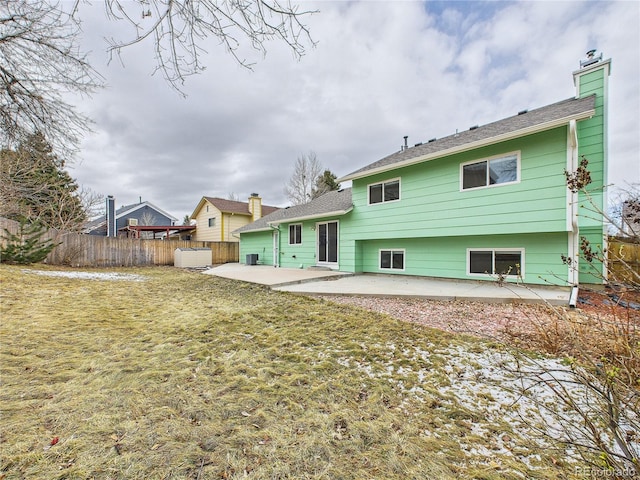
column 327, row 242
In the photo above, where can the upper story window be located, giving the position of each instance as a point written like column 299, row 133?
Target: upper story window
column 295, row 234
column 491, row 171
column 388, row 191
column 212, row 222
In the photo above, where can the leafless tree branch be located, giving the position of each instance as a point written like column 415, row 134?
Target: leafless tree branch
column 180, row 27
column 40, row 61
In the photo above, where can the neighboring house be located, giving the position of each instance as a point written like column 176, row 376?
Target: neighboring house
column 489, row 201
column 217, row 218
column 130, row 220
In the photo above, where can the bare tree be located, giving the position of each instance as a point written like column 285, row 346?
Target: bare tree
column 589, row 407
column 300, row 187
column 92, row 202
column 39, row 63
column 178, row 29
column 40, row 60
column 148, row 218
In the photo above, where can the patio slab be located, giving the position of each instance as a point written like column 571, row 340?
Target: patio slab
column 315, row 282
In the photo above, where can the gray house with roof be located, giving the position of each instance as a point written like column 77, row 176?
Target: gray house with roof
column 130, row 218
column 489, row 202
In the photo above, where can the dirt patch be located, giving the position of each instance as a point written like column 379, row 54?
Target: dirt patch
column 499, row 321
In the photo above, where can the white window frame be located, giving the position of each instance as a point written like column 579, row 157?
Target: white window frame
column 392, row 250
column 327, row 262
column 397, row 179
column 521, row 251
column 489, row 159
column 295, row 225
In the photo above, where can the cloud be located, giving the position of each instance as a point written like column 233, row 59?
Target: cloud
column 380, row 70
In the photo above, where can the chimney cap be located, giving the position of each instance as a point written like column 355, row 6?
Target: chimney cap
column 255, row 195
column 591, row 58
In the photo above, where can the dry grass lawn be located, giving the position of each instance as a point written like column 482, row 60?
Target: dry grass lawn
column 178, row 375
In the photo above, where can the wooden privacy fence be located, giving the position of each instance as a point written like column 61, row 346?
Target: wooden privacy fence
column 91, row 250
column 623, row 260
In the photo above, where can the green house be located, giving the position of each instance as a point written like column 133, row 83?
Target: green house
column 488, row 202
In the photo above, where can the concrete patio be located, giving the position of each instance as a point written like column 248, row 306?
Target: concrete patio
column 327, row 282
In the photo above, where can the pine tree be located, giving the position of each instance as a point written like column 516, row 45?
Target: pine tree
column 26, row 246
column 325, row 183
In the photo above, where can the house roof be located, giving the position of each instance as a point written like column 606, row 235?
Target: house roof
column 231, row 206
column 101, row 222
column 525, row 123
column 125, row 209
column 333, row 203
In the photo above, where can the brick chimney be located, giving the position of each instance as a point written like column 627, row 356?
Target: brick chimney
column 255, row 206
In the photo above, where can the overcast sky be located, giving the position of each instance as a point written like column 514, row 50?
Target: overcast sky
column 380, row 70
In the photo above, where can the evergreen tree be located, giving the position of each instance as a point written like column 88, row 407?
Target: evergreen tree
column 26, row 246
column 325, row 183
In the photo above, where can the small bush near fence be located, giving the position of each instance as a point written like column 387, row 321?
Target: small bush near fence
column 80, row 250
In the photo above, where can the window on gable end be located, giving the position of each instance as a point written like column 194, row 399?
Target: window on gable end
column 503, row 169
column 388, row 191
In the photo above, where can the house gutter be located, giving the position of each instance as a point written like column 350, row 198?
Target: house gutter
column 471, row 146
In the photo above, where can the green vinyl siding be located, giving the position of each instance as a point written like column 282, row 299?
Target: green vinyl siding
column 300, row 255
column 257, row 242
column 592, row 272
column 446, row 257
column 433, row 205
column 592, row 136
column 591, row 141
column 304, row 254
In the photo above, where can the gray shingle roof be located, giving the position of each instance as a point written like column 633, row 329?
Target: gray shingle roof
column 523, row 123
column 337, row 202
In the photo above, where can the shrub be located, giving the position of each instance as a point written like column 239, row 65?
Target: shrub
column 27, row 245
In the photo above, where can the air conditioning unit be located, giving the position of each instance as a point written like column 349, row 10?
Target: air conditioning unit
column 132, row 222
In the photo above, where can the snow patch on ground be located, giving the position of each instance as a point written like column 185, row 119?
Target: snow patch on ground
column 110, row 276
column 514, row 396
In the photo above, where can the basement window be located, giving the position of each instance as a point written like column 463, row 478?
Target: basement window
column 507, row 262
column 295, row 234
column 391, row 259
column 503, row 169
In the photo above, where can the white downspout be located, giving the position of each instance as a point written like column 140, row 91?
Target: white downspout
column 276, row 245
column 572, row 208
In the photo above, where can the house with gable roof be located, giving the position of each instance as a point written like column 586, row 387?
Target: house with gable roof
column 487, row 202
column 216, row 218
column 127, row 218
